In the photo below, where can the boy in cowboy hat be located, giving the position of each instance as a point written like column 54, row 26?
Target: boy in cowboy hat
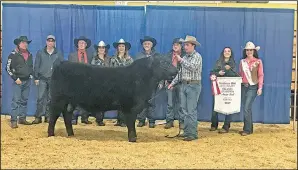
column 46, row 58
column 148, row 44
column 173, row 106
column 81, row 55
column 190, row 74
column 20, row 68
column 121, row 58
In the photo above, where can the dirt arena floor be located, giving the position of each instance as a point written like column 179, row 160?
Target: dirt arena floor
column 271, row 146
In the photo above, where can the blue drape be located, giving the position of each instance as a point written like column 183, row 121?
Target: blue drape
column 67, row 22
column 215, row 28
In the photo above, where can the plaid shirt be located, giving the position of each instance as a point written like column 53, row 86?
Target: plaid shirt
column 191, row 68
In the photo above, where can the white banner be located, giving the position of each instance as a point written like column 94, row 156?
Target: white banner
column 229, row 101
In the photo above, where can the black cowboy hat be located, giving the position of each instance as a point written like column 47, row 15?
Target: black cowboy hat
column 101, row 44
column 88, row 41
column 148, row 38
column 121, row 41
column 177, row 40
column 20, row 39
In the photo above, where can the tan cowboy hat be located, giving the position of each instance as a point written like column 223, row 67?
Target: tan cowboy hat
column 191, row 39
column 102, row 44
column 251, row 46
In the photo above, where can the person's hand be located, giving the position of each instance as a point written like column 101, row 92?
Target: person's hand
column 227, row 67
column 36, row 82
column 160, row 86
column 18, row 81
column 221, row 72
column 178, row 57
column 170, row 87
column 259, row 92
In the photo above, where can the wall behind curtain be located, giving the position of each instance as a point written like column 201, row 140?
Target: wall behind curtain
column 216, row 28
column 66, row 22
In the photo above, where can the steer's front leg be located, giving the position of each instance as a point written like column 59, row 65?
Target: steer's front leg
column 131, row 127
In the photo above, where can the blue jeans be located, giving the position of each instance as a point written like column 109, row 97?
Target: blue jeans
column 43, row 99
column 20, row 94
column 173, row 106
column 190, row 94
column 214, row 119
column 249, row 93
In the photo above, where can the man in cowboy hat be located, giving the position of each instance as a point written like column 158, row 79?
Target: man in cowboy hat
column 46, row 58
column 173, row 106
column 20, row 68
column 190, row 75
column 81, row 55
column 148, row 44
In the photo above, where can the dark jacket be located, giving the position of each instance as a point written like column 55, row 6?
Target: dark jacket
column 220, row 65
column 45, row 62
column 143, row 54
column 17, row 67
column 74, row 56
column 169, row 56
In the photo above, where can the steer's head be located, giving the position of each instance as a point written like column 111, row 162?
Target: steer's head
column 162, row 68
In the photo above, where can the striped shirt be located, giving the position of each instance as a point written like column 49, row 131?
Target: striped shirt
column 191, row 68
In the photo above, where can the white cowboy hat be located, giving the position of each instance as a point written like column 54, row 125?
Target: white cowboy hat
column 102, row 44
column 191, row 39
column 251, row 46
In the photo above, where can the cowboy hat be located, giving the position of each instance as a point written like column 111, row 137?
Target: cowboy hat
column 251, row 46
column 191, row 39
column 20, row 39
column 102, row 44
column 177, row 40
column 88, row 41
column 148, row 38
column 121, row 41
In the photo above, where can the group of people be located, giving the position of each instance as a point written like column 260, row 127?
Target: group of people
column 183, row 91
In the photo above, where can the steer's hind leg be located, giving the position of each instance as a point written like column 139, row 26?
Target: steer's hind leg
column 67, row 115
column 54, row 115
column 131, row 127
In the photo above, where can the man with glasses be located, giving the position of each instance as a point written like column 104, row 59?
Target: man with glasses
column 46, row 58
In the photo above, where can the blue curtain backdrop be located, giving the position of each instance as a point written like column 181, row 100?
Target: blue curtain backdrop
column 66, row 22
column 214, row 28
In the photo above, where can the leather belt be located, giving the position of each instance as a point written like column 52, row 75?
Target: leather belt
column 191, row 81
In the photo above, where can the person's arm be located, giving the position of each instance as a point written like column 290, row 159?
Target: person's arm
column 9, row 67
column 260, row 75
column 194, row 64
column 36, row 65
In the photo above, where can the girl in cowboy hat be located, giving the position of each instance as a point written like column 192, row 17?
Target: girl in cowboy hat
column 251, row 71
column 121, row 58
column 101, row 59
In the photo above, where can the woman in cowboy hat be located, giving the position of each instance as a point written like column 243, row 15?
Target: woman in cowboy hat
column 101, row 59
column 20, row 68
column 121, row 58
column 251, row 71
column 148, row 43
column 224, row 67
column 81, row 55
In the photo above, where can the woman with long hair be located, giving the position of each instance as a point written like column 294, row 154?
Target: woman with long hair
column 101, row 59
column 224, row 67
column 251, row 71
column 121, row 58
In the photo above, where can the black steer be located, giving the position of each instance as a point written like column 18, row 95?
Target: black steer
column 97, row 89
